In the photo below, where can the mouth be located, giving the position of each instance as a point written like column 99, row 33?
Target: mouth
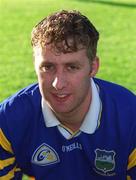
column 60, row 97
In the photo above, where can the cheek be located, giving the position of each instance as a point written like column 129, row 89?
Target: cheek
column 84, row 84
column 83, row 77
column 81, row 83
column 44, row 87
column 44, row 81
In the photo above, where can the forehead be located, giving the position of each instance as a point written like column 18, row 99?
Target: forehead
column 47, row 53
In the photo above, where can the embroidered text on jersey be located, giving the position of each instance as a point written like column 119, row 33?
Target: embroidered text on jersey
column 72, row 147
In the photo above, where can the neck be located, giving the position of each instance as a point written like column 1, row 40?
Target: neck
column 75, row 118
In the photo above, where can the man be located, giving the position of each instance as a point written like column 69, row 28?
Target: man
column 70, row 125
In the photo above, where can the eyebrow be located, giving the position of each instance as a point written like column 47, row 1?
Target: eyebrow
column 68, row 62
column 73, row 62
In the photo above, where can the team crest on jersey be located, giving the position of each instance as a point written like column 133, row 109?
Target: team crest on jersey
column 45, row 155
column 104, row 160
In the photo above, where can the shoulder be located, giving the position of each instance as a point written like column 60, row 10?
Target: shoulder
column 117, row 100
column 29, row 95
column 119, row 104
column 19, row 111
column 115, row 91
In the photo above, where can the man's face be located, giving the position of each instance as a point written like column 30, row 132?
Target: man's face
column 64, row 79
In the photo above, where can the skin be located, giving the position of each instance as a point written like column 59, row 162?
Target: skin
column 64, row 82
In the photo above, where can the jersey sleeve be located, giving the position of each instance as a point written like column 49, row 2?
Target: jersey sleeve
column 16, row 115
column 8, row 165
column 131, row 169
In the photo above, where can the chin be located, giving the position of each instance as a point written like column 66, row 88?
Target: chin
column 60, row 110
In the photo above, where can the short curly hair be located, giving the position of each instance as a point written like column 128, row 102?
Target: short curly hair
column 66, row 31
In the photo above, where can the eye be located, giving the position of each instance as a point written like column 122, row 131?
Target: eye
column 47, row 67
column 72, row 67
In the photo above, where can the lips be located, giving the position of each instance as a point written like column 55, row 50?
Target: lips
column 60, row 97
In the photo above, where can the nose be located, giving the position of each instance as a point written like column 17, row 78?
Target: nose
column 59, row 82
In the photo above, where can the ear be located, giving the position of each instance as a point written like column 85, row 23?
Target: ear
column 94, row 66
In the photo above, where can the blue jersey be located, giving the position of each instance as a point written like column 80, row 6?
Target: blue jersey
column 28, row 146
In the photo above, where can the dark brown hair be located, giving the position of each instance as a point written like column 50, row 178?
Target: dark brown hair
column 67, row 31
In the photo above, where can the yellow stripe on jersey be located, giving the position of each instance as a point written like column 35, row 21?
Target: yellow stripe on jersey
column 99, row 116
column 10, row 174
column 17, row 169
column 74, row 134
column 67, row 129
column 129, row 178
column 4, row 142
column 6, row 162
column 71, row 133
column 132, row 159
